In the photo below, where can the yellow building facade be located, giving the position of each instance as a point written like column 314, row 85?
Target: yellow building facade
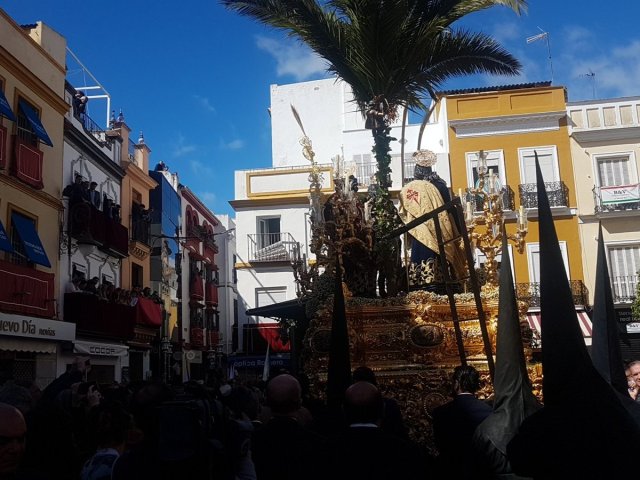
column 32, row 76
column 510, row 125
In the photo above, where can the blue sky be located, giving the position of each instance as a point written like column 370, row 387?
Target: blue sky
column 195, row 78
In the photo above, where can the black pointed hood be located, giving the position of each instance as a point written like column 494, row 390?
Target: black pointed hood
column 514, row 399
column 565, row 360
column 339, row 368
column 583, row 430
column 605, row 349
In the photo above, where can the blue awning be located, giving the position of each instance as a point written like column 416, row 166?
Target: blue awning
column 5, row 109
column 30, row 239
column 35, row 122
column 5, row 243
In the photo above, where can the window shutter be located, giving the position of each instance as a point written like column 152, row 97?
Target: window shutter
column 614, row 172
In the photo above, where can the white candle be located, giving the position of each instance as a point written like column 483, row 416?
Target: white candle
column 521, row 217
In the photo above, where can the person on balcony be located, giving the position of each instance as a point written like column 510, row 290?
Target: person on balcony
column 94, row 195
column 80, row 101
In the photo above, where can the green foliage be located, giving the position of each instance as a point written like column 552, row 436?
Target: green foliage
column 635, row 307
column 403, row 50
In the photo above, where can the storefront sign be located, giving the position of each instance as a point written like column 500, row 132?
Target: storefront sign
column 257, row 362
column 624, row 315
column 32, row 327
column 101, row 349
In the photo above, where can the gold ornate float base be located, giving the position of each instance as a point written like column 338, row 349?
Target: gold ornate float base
column 410, row 343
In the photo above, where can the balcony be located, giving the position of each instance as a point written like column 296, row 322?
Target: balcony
column 624, row 288
column 557, row 192
column 617, row 200
column 211, row 293
column 88, row 225
column 365, row 173
column 272, row 247
column 408, row 167
column 141, row 231
column 530, row 293
column 209, row 249
column 508, row 200
column 26, row 291
column 99, row 318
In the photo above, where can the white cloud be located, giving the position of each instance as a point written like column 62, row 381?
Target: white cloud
column 200, row 169
column 235, row 144
column 181, row 148
column 205, row 103
column 209, row 198
column 292, row 58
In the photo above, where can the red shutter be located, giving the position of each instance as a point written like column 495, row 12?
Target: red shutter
column 3, row 147
column 28, row 164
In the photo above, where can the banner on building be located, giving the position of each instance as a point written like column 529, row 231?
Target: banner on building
column 620, row 194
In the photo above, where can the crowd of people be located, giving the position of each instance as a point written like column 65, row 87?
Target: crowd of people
column 233, row 430
column 108, row 292
column 84, row 192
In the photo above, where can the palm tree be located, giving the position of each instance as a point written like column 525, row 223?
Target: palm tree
column 393, row 53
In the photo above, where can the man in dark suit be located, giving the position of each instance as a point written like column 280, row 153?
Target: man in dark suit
column 283, row 449
column 455, row 422
column 364, row 450
column 94, row 195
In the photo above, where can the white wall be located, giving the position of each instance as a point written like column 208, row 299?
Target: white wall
column 334, row 126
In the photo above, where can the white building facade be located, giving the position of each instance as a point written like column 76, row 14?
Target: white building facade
column 272, row 204
column 606, row 155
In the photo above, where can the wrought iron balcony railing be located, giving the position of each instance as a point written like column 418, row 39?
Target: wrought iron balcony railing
column 365, row 173
column 557, row 192
column 141, row 231
column 273, row 247
column 530, row 293
column 408, row 168
column 616, row 199
column 624, row 288
column 508, row 200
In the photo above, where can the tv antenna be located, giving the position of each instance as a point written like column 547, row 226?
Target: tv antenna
column 543, row 36
column 592, row 76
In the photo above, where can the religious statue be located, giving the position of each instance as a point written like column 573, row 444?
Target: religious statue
column 425, row 193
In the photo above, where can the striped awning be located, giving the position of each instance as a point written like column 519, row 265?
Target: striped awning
column 583, row 320
column 23, row 345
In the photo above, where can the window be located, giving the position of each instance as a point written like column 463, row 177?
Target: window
column 548, row 160
column 270, row 295
column 19, row 255
column 24, row 130
column 615, row 170
column 480, row 260
column 495, row 162
column 533, row 259
column 235, row 270
column 136, row 275
column 268, row 231
column 408, row 164
column 624, row 263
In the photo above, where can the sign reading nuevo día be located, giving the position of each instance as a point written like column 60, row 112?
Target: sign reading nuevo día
column 31, row 327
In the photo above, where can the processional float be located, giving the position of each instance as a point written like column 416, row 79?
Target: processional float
column 412, row 340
